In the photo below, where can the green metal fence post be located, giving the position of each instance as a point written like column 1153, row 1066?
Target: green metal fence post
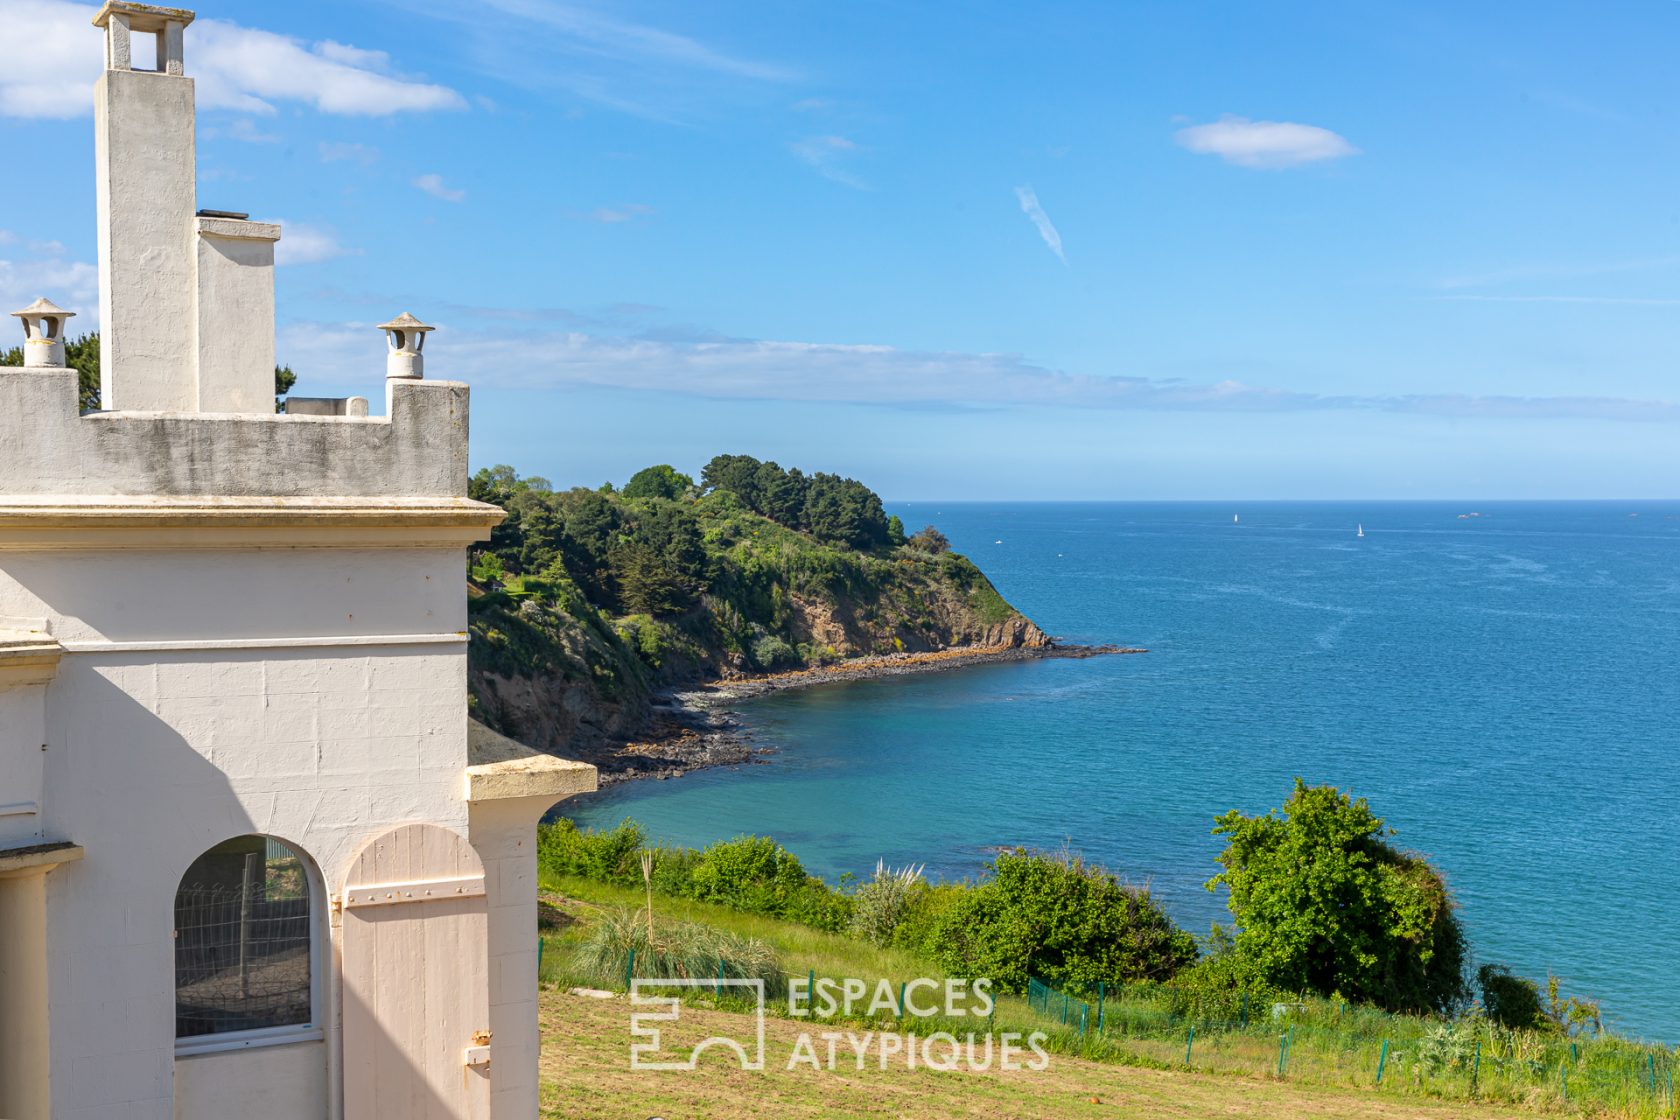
column 1476, row 1070
column 811, row 992
column 1102, row 995
column 1064, row 1008
column 901, row 984
column 1188, row 1043
column 1651, row 1064
column 629, row 969
column 1382, row 1061
column 539, row 956
column 1283, row 1042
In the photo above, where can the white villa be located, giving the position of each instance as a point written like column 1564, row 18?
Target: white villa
column 253, row 863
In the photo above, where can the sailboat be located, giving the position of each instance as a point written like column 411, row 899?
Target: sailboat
column 1234, row 518
column 1361, row 530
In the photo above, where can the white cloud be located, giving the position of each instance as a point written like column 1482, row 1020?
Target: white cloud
column 50, row 55
column 303, row 243
column 828, row 155
column 1030, row 207
column 73, row 285
column 432, row 184
column 1264, row 144
column 363, row 154
column 751, row 369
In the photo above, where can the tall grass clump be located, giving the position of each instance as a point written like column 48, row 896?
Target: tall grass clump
column 675, row 951
column 880, row 905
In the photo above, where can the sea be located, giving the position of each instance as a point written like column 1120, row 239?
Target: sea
column 1500, row 680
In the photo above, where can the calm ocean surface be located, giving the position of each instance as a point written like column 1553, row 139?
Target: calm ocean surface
column 1504, row 689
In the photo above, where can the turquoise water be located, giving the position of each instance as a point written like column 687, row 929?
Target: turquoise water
column 1505, row 690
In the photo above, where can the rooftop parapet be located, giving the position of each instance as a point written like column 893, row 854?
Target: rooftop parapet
column 419, row 449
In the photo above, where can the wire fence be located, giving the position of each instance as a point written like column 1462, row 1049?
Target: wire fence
column 1332, row 1042
column 242, row 951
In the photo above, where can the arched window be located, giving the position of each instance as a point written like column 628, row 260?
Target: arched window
column 245, row 946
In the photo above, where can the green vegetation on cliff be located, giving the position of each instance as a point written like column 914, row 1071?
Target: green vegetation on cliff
column 584, row 601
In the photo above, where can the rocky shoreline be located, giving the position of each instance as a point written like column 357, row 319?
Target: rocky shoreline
column 695, row 727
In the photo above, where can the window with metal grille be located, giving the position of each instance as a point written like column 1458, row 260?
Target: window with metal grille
column 244, row 936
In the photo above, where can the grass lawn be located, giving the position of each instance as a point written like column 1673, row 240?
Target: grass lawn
column 586, row 1051
column 586, row 1073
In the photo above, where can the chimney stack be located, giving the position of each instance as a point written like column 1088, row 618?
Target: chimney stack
column 186, row 297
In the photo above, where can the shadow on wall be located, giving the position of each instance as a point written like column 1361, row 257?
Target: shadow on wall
column 123, row 781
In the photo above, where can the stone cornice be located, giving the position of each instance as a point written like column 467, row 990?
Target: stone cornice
column 75, row 523
column 501, row 768
column 27, row 658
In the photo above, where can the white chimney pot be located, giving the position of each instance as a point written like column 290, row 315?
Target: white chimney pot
column 43, row 333
column 406, row 336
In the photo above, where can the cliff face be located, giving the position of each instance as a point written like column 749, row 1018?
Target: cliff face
column 548, row 669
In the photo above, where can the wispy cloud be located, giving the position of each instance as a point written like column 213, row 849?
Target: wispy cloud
column 49, row 55
column 1046, row 229
column 619, row 64
column 1631, row 301
column 240, row 128
column 338, row 151
column 432, row 183
column 753, row 369
column 1564, row 270
column 614, row 215
column 304, row 243
column 1264, row 144
column 828, row 156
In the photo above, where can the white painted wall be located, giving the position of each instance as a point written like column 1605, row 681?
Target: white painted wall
column 257, row 595
column 286, row 1081
column 22, row 731
column 505, row 834
column 156, row 756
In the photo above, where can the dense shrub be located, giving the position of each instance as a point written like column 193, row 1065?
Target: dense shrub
column 1511, row 1000
column 756, row 875
column 750, row 873
column 612, row 856
column 1055, row 917
column 1325, row 904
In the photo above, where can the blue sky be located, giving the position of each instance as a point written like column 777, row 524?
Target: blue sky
column 1142, row 250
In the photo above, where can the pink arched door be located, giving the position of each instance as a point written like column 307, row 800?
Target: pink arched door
column 416, row 983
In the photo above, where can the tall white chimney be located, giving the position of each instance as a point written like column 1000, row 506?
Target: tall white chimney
column 147, row 166
column 186, row 296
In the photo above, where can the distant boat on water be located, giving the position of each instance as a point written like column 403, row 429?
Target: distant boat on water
column 1361, row 532
column 1234, row 518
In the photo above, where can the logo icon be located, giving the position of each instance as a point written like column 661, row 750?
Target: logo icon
column 644, row 1054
